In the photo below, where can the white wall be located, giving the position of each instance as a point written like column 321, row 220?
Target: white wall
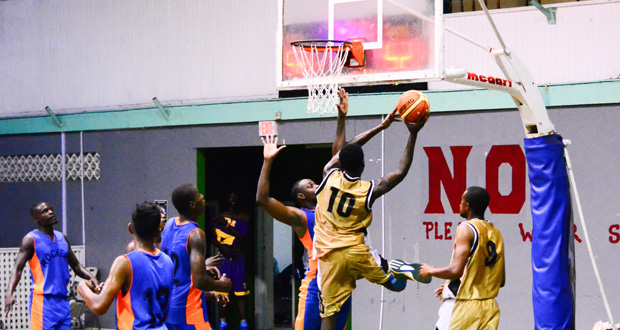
column 76, row 55
column 582, row 45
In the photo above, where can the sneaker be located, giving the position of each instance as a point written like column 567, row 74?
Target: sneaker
column 405, row 271
column 223, row 325
column 243, row 325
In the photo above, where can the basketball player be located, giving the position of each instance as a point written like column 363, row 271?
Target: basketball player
column 186, row 244
column 230, row 229
column 343, row 212
column 140, row 281
column 131, row 246
column 302, row 219
column 476, row 271
column 211, row 264
column 49, row 254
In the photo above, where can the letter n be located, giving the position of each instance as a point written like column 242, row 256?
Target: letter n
column 439, row 174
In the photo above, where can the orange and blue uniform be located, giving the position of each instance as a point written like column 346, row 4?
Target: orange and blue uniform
column 49, row 268
column 188, row 308
column 308, row 313
column 147, row 303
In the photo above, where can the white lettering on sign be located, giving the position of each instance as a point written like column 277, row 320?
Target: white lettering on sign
column 267, row 128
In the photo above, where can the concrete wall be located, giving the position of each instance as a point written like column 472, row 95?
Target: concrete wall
column 138, row 165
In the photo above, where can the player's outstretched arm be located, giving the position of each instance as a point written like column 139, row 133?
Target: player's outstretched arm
column 343, row 109
column 362, row 138
column 202, row 280
column 119, row 279
column 287, row 215
column 462, row 244
column 392, row 179
column 78, row 268
column 26, row 251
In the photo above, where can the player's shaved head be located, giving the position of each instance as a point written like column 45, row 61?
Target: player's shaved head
column 352, row 158
column 182, row 196
column 145, row 220
column 296, row 190
column 34, row 208
column 478, row 199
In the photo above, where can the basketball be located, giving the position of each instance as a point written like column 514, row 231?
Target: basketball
column 413, row 106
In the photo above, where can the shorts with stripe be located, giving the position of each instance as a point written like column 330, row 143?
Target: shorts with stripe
column 309, row 315
column 469, row 315
column 338, row 271
column 49, row 312
column 234, row 269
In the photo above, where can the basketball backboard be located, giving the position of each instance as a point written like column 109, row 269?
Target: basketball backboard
column 402, row 38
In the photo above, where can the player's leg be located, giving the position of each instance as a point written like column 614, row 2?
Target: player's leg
column 56, row 313
column 329, row 323
column 336, row 284
column 308, row 314
column 240, row 287
column 407, row 271
column 226, row 267
column 475, row 314
column 343, row 315
column 362, row 263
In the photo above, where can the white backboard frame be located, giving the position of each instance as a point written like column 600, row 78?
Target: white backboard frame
column 433, row 74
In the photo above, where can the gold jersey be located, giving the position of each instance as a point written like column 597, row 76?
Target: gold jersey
column 342, row 213
column 484, row 271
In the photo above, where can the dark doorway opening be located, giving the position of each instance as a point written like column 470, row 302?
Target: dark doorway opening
column 237, row 169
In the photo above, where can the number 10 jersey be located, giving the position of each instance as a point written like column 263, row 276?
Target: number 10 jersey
column 342, row 213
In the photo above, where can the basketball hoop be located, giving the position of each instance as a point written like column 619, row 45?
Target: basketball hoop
column 321, row 61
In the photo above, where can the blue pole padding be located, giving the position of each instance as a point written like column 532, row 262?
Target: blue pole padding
column 550, row 200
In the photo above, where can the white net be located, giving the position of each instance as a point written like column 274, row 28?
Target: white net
column 321, row 62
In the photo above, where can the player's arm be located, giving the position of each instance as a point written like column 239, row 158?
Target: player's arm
column 202, row 280
column 26, row 251
column 362, row 138
column 390, row 181
column 462, row 245
column 343, row 109
column 78, row 268
column 120, row 275
column 287, row 215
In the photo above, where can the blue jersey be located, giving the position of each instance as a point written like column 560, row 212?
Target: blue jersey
column 147, row 304
column 49, row 266
column 188, row 305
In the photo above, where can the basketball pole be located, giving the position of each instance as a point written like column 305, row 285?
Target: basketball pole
column 522, row 72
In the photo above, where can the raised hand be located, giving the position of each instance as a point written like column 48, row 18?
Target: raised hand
column 270, row 143
column 343, row 106
column 389, row 119
column 414, row 128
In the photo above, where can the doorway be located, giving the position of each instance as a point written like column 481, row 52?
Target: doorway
column 272, row 302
